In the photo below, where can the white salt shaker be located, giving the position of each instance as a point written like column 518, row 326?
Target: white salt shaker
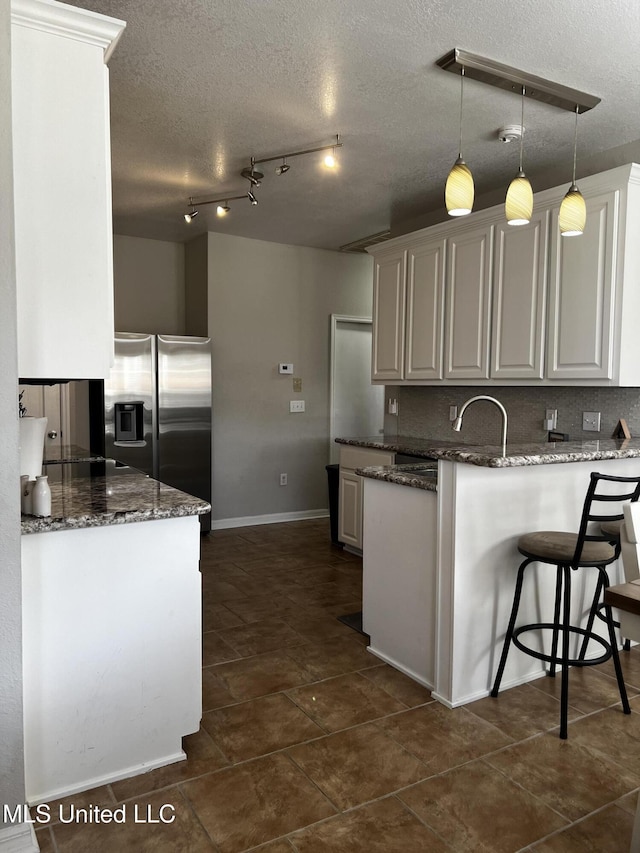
column 25, row 494
column 41, row 497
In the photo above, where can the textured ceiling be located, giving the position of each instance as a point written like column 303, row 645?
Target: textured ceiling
column 199, row 86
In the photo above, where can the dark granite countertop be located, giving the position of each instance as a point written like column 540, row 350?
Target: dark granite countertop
column 105, row 492
column 516, row 455
column 419, row 476
column 69, row 453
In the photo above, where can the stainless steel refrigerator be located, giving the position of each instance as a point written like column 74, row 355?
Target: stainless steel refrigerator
column 157, row 408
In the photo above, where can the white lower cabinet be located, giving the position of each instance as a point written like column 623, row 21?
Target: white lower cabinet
column 350, row 495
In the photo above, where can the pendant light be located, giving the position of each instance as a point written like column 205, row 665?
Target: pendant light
column 518, row 205
column 459, row 191
column 573, row 210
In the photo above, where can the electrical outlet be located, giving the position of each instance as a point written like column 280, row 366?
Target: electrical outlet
column 453, row 413
column 551, row 418
column 296, row 405
column 591, row 421
column 283, row 479
column 392, row 407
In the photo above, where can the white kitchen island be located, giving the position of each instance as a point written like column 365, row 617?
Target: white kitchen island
column 111, row 628
column 440, row 566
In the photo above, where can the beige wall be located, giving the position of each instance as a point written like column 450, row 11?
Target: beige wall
column 271, row 303
column 149, row 285
column 11, row 726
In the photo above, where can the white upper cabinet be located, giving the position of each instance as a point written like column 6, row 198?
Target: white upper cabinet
column 468, row 304
column 62, row 186
column 522, row 304
column 387, row 357
column 581, row 295
column 519, row 288
column 425, row 311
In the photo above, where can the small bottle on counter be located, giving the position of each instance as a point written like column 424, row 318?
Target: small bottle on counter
column 41, row 497
column 26, row 486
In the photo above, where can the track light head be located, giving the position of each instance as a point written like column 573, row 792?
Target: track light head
column 284, row 168
column 252, row 197
column 254, row 177
column 189, row 217
column 330, row 160
column 223, row 209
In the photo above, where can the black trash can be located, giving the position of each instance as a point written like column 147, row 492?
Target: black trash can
column 333, row 476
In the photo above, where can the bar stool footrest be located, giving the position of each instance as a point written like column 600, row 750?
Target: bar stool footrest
column 557, row 660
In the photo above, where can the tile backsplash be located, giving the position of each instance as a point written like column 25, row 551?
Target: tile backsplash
column 424, row 412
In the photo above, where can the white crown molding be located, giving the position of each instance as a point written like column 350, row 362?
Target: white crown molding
column 67, row 21
column 18, row 838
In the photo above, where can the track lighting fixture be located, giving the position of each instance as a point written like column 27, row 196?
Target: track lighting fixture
column 518, row 205
column 191, row 215
column 573, row 210
column 459, row 189
column 254, row 176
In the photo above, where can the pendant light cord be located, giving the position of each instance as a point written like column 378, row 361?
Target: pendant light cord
column 461, row 102
column 522, row 128
column 575, row 147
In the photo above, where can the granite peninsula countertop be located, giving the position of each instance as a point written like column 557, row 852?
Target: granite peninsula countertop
column 105, row 492
column 516, row 455
column 422, row 475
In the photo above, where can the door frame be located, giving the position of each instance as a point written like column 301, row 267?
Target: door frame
column 336, row 320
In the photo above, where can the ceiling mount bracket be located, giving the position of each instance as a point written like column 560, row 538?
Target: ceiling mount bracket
column 512, row 80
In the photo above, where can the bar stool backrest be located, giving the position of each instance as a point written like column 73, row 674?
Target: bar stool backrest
column 598, row 493
column 629, row 535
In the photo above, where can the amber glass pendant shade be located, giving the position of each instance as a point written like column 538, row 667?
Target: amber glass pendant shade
column 518, row 204
column 459, row 191
column 573, row 213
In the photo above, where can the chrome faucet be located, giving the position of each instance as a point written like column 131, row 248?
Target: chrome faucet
column 457, row 424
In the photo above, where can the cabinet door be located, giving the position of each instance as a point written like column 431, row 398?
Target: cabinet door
column 581, row 295
column 350, row 513
column 62, row 180
column 468, row 304
column 388, row 316
column 425, row 311
column 519, row 290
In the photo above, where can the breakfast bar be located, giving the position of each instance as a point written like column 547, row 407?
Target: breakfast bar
column 111, row 627
column 440, row 555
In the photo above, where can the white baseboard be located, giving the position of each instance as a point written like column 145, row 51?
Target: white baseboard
column 405, row 669
column 18, row 838
column 273, row 518
column 106, row 779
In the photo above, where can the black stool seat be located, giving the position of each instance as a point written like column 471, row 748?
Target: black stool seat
column 557, row 547
column 570, row 552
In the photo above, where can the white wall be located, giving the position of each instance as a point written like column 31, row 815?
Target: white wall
column 148, row 285
column 271, row 303
column 11, row 738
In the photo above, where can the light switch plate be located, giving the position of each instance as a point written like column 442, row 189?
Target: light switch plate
column 285, row 367
column 296, row 405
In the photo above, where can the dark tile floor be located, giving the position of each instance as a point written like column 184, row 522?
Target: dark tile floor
column 310, row 744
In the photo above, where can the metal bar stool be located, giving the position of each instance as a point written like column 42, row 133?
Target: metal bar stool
column 570, row 552
column 611, row 531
